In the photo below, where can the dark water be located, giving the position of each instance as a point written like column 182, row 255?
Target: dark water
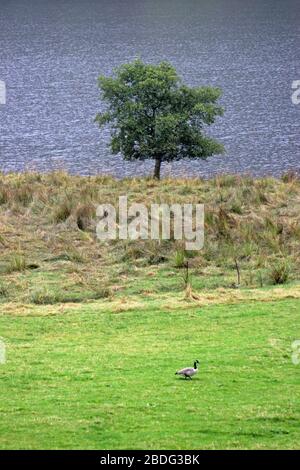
column 51, row 53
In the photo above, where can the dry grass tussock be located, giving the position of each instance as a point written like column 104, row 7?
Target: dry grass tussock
column 49, row 252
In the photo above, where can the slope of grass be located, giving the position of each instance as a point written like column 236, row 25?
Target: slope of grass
column 95, row 331
column 49, row 251
column 88, row 376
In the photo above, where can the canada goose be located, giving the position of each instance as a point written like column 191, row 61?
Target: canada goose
column 188, row 371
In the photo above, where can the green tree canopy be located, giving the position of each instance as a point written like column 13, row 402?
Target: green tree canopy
column 153, row 115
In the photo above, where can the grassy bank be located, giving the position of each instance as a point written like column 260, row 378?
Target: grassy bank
column 49, row 252
column 94, row 332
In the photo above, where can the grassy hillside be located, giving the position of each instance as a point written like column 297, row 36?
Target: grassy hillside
column 49, row 252
column 95, row 332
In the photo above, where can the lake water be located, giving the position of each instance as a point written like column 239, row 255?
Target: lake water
column 51, row 53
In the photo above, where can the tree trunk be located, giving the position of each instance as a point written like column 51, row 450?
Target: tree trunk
column 157, row 168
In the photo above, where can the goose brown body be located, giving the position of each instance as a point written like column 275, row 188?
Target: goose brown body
column 188, row 372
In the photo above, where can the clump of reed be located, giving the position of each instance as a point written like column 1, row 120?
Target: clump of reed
column 149, row 251
column 46, row 296
column 3, row 289
column 17, row 263
column 280, row 271
column 84, row 214
column 179, row 260
column 62, row 210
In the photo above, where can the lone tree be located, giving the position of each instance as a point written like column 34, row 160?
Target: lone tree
column 153, row 115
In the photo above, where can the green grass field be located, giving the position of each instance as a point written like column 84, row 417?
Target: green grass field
column 95, row 331
column 100, row 375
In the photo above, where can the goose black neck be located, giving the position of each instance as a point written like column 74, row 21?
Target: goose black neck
column 195, row 365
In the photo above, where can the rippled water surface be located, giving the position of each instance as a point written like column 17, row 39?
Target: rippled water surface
column 51, row 53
